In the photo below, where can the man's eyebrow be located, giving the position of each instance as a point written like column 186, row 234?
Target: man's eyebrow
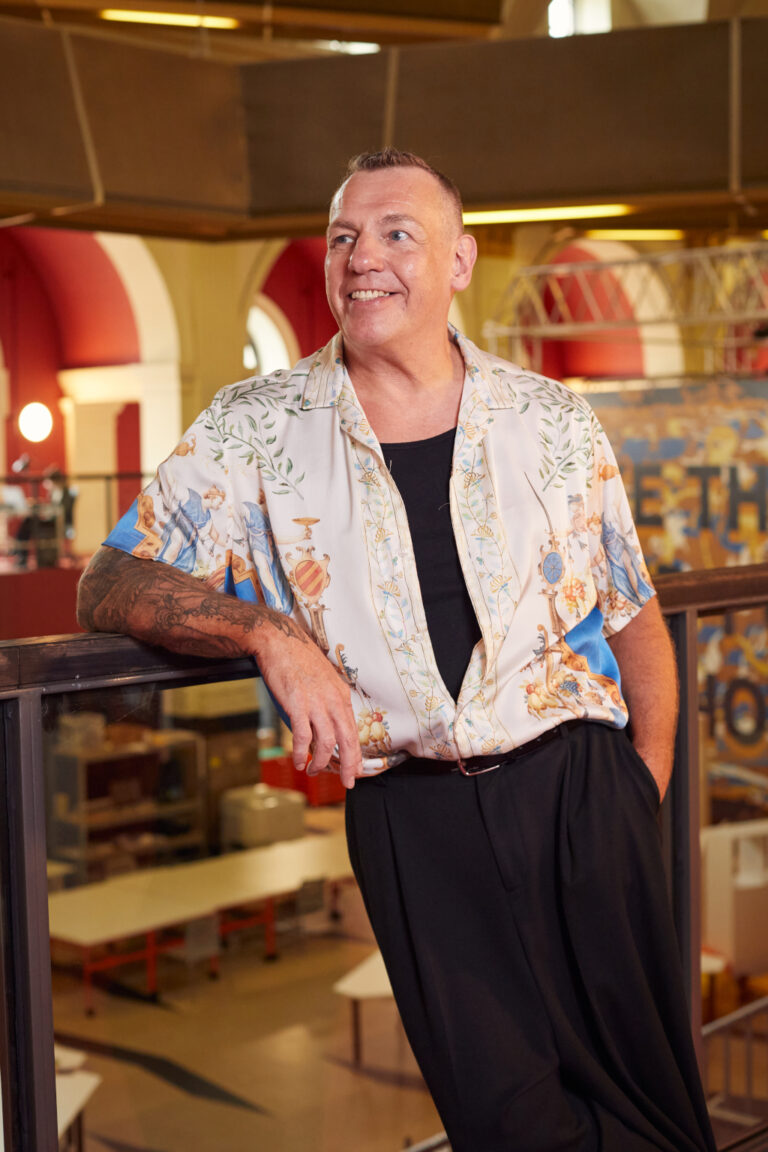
column 340, row 224
column 400, row 218
column 390, row 218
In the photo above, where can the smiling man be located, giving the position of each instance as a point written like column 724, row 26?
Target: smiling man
column 414, row 544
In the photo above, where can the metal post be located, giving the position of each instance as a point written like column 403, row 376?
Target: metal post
column 683, row 853
column 29, row 1064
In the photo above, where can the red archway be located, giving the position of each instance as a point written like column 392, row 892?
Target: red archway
column 63, row 306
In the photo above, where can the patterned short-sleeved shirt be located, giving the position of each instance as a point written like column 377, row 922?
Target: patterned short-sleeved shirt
column 279, row 494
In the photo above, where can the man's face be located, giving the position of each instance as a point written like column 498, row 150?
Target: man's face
column 395, row 258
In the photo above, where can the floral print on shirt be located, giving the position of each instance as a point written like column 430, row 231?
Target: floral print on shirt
column 279, row 494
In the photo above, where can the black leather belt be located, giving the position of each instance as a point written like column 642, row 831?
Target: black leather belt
column 476, row 765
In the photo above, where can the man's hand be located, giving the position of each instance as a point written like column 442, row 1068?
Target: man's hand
column 160, row 605
column 645, row 656
column 315, row 696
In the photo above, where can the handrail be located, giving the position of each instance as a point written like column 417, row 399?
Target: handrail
column 89, row 659
column 711, row 590
column 723, row 1023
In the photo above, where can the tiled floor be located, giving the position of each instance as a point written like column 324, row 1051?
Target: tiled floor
column 257, row 1061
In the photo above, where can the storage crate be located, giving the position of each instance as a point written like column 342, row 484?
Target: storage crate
column 325, row 788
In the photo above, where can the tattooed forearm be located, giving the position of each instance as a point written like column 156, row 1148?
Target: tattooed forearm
column 160, row 605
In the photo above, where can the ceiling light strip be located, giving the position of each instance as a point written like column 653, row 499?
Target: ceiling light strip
column 169, row 19
column 536, row 215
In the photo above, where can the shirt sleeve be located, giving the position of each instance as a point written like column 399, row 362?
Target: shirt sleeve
column 183, row 517
column 189, row 517
column 619, row 571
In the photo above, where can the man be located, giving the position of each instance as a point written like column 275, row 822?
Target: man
column 459, row 634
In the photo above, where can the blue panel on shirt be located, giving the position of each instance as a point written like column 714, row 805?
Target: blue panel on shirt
column 125, row 535
column 587, row 640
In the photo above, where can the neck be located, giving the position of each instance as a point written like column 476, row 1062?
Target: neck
column 405, row 372
column 409, row 399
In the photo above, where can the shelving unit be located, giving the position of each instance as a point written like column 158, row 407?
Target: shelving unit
column 133, row 799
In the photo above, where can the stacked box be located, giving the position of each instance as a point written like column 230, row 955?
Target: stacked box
column 325, row 788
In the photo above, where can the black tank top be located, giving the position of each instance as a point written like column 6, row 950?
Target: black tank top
column 422, row 469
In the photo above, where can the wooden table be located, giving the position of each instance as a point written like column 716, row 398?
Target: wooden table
column 367, row 981
column 147, row 902
column 73, row 1091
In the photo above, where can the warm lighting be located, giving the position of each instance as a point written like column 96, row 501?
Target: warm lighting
column 635, row 234
column 534, row 215
column 175, row 19
column 560, row 18
column 35, row 422
column 349, row 47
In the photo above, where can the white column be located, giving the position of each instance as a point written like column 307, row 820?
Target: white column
column 90, row 431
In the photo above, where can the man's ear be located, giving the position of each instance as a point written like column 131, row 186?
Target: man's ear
column 464, row 258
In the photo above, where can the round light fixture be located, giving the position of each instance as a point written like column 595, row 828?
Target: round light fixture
column 35, row 422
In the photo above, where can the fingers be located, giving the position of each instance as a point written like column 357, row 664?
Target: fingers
column 336, row 736
column 319, row 704
column 350, row 757
column 302, row 735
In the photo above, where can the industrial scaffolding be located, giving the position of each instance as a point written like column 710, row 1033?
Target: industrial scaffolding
column 710, row 302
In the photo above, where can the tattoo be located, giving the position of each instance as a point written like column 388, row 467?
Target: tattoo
column 160, row 605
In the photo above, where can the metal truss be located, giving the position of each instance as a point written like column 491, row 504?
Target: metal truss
column 714, row 299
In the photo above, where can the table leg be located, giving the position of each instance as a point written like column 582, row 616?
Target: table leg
column 77, row 1131
column 357, row 1039
column 270, row 938
column 152, row 963
column 88, row 984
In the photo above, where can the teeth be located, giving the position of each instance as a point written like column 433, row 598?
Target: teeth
column 368, row 294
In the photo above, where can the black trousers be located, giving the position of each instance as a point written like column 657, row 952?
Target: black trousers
column 524, row 922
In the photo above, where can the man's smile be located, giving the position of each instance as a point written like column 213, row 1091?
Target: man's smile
column 368, row 294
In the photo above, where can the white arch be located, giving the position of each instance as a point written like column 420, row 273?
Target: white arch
column 94, row 397
column 147, row 293
column 154, row 381
column 646, row 295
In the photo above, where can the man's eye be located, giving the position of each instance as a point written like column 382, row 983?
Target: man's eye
column 398, row 234
column 340, row 241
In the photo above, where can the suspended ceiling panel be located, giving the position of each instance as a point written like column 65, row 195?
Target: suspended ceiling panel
column 754, row 49
column 41, row 151
column 304, row 120
column 165, row 126
column 631, row 112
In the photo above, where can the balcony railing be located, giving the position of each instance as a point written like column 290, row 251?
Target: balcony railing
column 33, row 671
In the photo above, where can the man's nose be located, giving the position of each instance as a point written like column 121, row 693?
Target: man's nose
column 367, row 253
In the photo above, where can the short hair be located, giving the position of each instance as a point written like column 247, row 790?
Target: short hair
column 390, row 157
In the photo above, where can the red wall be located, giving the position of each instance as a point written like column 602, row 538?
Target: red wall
column 30, row 344
column 38, row 603
column 605, row 355
column 128, row 455
column 297, row 285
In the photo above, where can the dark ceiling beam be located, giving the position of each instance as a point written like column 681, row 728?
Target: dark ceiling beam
column 360, row 25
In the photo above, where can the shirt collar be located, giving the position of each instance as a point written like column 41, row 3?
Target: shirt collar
column 492, row 380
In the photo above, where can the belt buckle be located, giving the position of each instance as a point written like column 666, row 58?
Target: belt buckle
column 477, row 771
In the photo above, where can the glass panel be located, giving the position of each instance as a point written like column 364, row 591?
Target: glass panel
column 733, row 668
column 184, row 851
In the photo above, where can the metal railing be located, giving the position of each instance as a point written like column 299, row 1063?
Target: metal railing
column 32, row 670
column 41, row 513
column 734, row 1101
